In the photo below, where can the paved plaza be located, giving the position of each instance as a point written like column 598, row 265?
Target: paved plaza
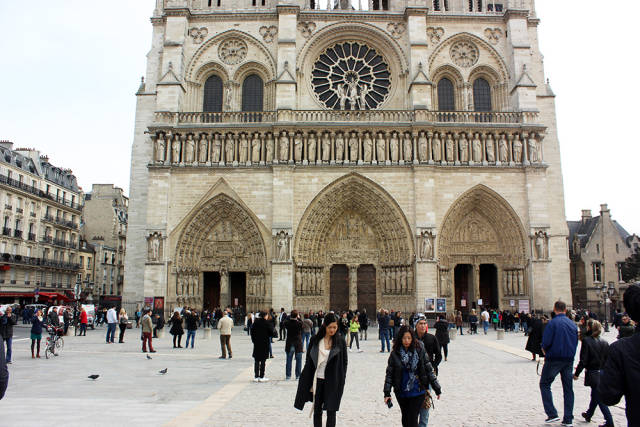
column 485, row 382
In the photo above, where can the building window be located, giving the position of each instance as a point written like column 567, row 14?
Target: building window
column 446, row 101
column 252, row 93
column 597, row 272
column 88, row 262
column 380, row 4
column 597, row 248
column 481, row 95
column 212, row 95
column 617, row 248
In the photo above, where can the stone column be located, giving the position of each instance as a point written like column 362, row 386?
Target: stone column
column 225, row 292
column 353, row 287
column 476, row 285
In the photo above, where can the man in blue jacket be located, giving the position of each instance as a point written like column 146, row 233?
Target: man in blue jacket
column 559, row 343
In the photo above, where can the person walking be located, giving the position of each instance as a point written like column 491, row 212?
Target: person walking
column 307, row 327
column 410, row 374
column 191, row 322
column 559, row 343
column 159, row 324
column 432, row 349
column 261, row 332
column 84, row 319
column 458, row 320
column 123, row 320
column 473, row 322
column 138, row 316
column 485, row 320
column 593, row 354
column 176, row 329
column 7, row 321
column 36, row 333
column 66, row 318
column 364, row 324
column 225, row 324
column 249, row 323
column 325, row 370
column 147, row 331
column 343, row 326
column 354, row 328
column 293, row 343
column 621, row 373
column 534, row 341
column 383, row 330
column 442, row 334
column 281, row 319
column 112, row 321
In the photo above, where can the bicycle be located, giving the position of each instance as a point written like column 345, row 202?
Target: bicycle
column 55, row 342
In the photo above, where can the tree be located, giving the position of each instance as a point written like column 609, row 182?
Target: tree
column 631, row 267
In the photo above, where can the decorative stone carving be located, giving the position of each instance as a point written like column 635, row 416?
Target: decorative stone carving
column 283, row 147
column 464, row 53
column 437, row 148
column 161, row 147
column 445, row 283
column 176, row 148
column 367, row 147
column 394, row 146
column 503, row 148
column 270, row 147
column 312, row 145
column 243, row 154
column 426, row 241
column 541, row 245
column 353, row 147
column 256, row 147
column 229, row 148
column 517, row 149
column 306, row 28
column 534, row 149
column 422, row 147
column 448, row 148
column 493, row 35
column 435, row 34
column 281, row 240
column 202, row 148
column 407, row 147
column 381, row 147
column 326, row 147
column 268, row 33
column 397, row 280
column 297, row 147
column 216, row 145
column 476, row 148
column 189, row 149
column 232, row 51
column 198, row 34
column 154, row 247
column 339, row 148
column 396, row 29
column 463, row 143
column 491, row 149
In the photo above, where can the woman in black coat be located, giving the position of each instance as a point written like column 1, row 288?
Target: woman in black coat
column 442, row 334
column 262, row 331
column 322, row 379
column 176, row 329
column 534, row 342
column 409, row 373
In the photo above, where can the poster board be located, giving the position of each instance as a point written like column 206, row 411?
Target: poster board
column 523, row 305
column 441, row 305
column 430, row 305
column 480, row 301
column 463, row 303
column 158, row 305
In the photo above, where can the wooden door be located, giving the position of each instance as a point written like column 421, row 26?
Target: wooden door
column 339, row 288
column 367, row 288
column 238, row 285
column 211, row 290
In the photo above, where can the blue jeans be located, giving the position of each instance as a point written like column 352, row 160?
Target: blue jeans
column 111, row 331
column 192, row 335
column 485, row 326
column 424, row 415
column 306, row 336
column 596, row 402
column 550, row 371
column 7, row 344
column 290, row 353
column 384, row 337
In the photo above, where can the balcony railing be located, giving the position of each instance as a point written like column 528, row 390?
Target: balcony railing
column 25, row 260
column 18, row 234
column 6, row 231
column 32, row 237
column 37, row 192
column 19, row 210
column 60, row 221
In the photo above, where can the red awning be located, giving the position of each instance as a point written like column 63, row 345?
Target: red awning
column 16, row 294
column 43, row 295
column 55, row 295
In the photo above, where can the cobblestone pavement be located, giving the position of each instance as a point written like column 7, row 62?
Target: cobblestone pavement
column 485, row 382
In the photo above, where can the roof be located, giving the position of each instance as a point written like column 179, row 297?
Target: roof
column 17, row 160
column 584, row 230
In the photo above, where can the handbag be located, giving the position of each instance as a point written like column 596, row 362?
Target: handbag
column 428, row 400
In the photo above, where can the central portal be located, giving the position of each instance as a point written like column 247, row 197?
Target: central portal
column 211, row 290
column 339, row 288
column 238, row 288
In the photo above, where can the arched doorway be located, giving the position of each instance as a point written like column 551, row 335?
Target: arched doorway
column 220, row 258
column 354, row 228
column 482, row 252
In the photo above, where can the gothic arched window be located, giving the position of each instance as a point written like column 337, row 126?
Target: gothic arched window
column 446, row 100
column 212, row 94
column 481, row 95
column 252, row 93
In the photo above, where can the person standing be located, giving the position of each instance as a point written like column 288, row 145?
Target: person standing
column 354, row 328
column 261, row 332
column 325, row 370
column 458, row 320
column 621, row 373
column 432, row 349
column 343, row 326
column 66, row 317
column 282, row 318
column 383, row 330
column 36, row 332
column 293, row 343
column 307, row 327
column 534, row 342
column 593, row 354
column 559, row 343
column 84, row 319
column 7, row 321
column 442, row 334
column 159, row 324
column 625, row 329
column 410, row 374
column 138, row 315
column 225, row 324
column 191, row 321
column 176, row 329
column 112, row 321
column 485, row 320
column 473, row 322
column 364, row 324
column 123, row 319
column 147, row 330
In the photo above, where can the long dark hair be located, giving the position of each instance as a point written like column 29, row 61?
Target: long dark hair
column 397, row 342
column 329, row 318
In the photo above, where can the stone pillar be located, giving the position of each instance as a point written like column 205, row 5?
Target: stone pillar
column 476, row 284
column 353, row 287
column 225, row 292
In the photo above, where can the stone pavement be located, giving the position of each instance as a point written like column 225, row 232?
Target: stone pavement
column 485, row 382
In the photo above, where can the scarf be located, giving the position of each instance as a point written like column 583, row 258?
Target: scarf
column 410, row 363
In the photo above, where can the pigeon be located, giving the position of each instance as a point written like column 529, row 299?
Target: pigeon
column 148, row 357
column 164, row 371
column 94, row 376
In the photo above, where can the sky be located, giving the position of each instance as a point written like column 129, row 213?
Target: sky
column 69, row 71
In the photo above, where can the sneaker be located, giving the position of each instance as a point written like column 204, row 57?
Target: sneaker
column 567, row 424
column 360, row 351
column 586, row 417
column 552, row 420
column 256, row 379
column 287, row 378
column 350, row 350
column 264, row 380
column 152, row 351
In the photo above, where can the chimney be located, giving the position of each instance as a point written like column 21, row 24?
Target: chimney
column 6, row 144
column 604, row 210
column 586, row 215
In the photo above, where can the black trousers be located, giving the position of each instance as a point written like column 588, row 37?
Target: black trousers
column 258, row 368
column 410, row 407
column 283, row 333
column 177, row 337
column 317, row 407
column 123, row 327
column 445, row 350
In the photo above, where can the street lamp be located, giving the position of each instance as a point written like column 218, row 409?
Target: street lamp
column 605, row 292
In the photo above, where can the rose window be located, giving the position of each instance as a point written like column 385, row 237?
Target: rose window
column 351, row 76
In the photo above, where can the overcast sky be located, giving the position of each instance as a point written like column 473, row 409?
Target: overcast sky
column 69, row 70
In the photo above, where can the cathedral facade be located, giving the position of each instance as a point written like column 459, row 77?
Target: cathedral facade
column 337, row 154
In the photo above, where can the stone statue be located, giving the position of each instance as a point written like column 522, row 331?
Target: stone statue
column 393, row 146
column 154, row 247
column 422, row 147
column 229, row 148
column 448, row 148
column 243, row 154
column 255, row 148
column 339, row 147
column 353, row 95
column 476, row 146
column 353, row 147
column 464, row 148
column 216, row 146
column 541, row 245
column 426, row 247
column 270, row 147
column 491, row 149
column 299, row 282
column 202, row 148
column 326, row 147
column 341, row 93
column 364, row 91
column 283, row 246
column 311, row 147
column 367, row 146
column 437, row 148
column 403, row 280
column 517, row 149
column 189, row 149
column 407, row 146
column 175, row 149
column 534, row 149
column 507, row 282
column 503, row 149
column 161, row 145
column 297, row 147
column 283, row 147
column 381, row 147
